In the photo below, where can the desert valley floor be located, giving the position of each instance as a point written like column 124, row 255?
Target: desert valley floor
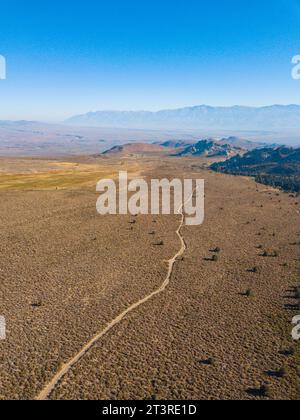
column 221, row 329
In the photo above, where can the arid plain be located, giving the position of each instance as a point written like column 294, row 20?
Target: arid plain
column 220, row 330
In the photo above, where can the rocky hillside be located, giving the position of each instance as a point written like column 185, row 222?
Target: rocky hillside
column 210, row 148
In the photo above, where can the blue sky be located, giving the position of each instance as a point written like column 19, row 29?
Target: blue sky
column 69, row 57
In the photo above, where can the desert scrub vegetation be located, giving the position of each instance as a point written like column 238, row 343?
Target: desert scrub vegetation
column 297, row 296
column 266, row 391
column 216, row 250
column 283, row 372
column 291, row 351
column 271, row 254
column 253, row 270
column 158, row 243
column 249, row 293
column 84, row 285
column 213, row 258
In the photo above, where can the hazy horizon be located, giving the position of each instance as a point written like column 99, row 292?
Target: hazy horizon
column 145, row 110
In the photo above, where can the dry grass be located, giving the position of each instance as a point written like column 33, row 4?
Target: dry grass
column 68, row 175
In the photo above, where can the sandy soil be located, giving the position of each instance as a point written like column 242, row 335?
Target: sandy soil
column 66, row 273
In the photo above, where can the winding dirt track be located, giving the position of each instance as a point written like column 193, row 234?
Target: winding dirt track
column 49, row 388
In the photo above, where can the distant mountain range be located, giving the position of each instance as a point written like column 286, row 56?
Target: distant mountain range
column 275, row 117
column 278, row 167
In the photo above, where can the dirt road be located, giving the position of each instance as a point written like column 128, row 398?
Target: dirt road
column 49, row 388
